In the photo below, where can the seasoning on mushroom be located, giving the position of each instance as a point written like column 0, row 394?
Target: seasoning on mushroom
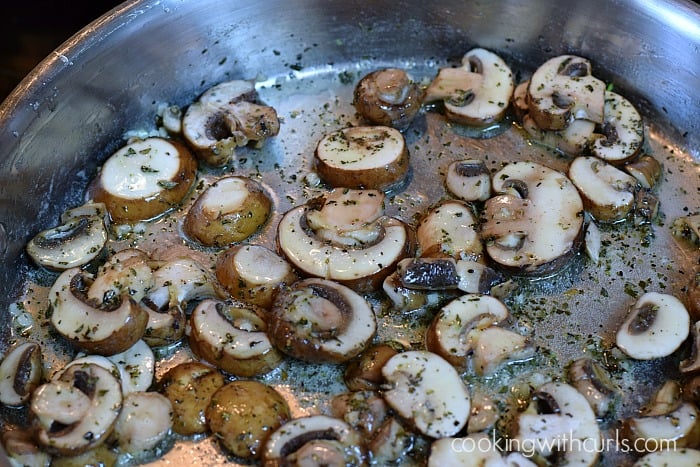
column 496, row 346
column 20, row 373
column 621, row 131
column 469, row 180
column 226, row 117
column 449, row 229
column 230, row 210
column 143, row 423
column 388, row 97
column 317, row 320
column 369, row 157
column 144, row 179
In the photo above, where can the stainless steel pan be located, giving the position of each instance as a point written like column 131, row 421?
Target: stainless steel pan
column 72, row 111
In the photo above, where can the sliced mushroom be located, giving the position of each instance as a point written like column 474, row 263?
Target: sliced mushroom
column 646, row 206
column 560, row 421
column 313, row 440
column 370, row 157
column 676, row 457
column 469, row 180
column 449, row 229
column 692, row 295
column 563, row 89
column 591, row 380
column 454, row 331
column 190, row 386
column 425, row 389
column 388, row 97
column 21, row 449
column 88, row 325
column 365, row 411
column 445, row 274
column 232, row 336
column 165, row 326
column 692, row 363
column 665, row 400
column 496, row 346
column 76, row 242
column 127, row 271
column 225, row 118
column 535, row 225
column 392, row 443
column 253, row 273
column 621, row 131
column 484, row 413
column 144, row 179
column 406, row 299
column 20, row 373
column 318, row 320
column 571, row 140
column 607, row 192
column 243, row 414
column 677, row 429
column 474, row 449
column 478, row 92
column 374, row 248
column 688, row 228
column 364, row 372
column 593, row 242
column 230, row 210
column 77, row 411
column 146, row 419
column 646, row 170
column 136, row 367
column 656, row 326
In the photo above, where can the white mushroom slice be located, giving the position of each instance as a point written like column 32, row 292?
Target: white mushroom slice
column 591, row 380
column 477, row 449
column 469, row 180
column 571, row 140
column 363, row 268
column 445, row 274
column 88, row 326
column 607, row 192
column 656, row 326
column 407, row 299
column 685, row 457
column 560, row 419
column 145, row 420
column 76, row 242
column 449, row 229
column 364, row 410
column 99, row 360
column 593, row 242
column 497, row 346
column 171, row 118
column 455, row 329
column 232, row 335
column 230, row 210
column 388, row 97
column 688, row 228
column 224, row 118
column 253, row 273
column 165, row 327
column 21, row 450
column 136, row 367
column 20, row 373
column 646, row 170
column 563, row 89
column 692, row 363
column 144, row 179
column 537, row 225
column 313, row 440
column 75, row 431
column 478, row 92
column 484, row 414
column 318, row 320
column 621, row 132
column 520, row 105
column 677, row 429
column 373, row 157
column 126, row 272
column 424, row 388
column 392, row 443
column 179, row 280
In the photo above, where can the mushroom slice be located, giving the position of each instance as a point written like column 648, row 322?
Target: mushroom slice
column 145, row 420
column 472, row 450
column 571, row 140
column 607, row 192
column 591, row 380
column 446, row 274
column 646, row 170
column 77, row 411
column 373, row 157
column 455, row 329
column 688, row 228
column 665, row 400
column 656, row 326
column 225, row 118
column 535, row 225
column 677, row 429
column 406, row 299
column 318, row 320
column 388, row 97
column 88, row 325
column 497, row 346
column 593, row 242
column 478, row 92
column 449, row 229
column 484, row 413
column 364, row 372
column 560, row 420
column 230, row 210
column 314, row 440
column 685, row 457
column 692, row 295
column 20, row 373
column 362, row 267
column 232, row 336
column 253, row 273
column 22, row 450
column 365, row 411
column 76, row 242
column 425, row 389
column 136, row 367
column 563, row 89
column 469, row 180
column 692, row 363
column 144, row 179
column 621, row 132
column 646, row 206
column 127, row 271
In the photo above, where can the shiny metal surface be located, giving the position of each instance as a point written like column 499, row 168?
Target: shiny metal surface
column 72, row 111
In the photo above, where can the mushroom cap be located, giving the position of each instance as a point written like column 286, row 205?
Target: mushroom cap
column 388, row 97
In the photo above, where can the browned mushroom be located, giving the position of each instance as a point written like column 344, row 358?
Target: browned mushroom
column 388, row 97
